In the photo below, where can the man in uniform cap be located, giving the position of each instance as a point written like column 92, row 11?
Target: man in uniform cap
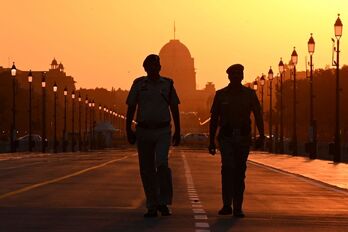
column 230, row 111
column 154, row 97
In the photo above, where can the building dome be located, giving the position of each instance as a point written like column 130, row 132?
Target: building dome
column 54, row 62
column 175, row 47
column 60, row 66
column 177, row 63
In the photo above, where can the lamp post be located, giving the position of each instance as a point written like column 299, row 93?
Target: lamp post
column 90, row 123
column 100, row 113
column 55, row 88
column 64, row 127
column 294, row 59
column 43, row 85
column 338, row 26
column 80, row 99
column 30, row 80
column 337, row 148
column 262, row 83
column 255, row 88
column 13, row 127
column 312, row 122
column 281, row 141
column 73, row 121
column 270, row 78
column 93, row 124
column 86, row 118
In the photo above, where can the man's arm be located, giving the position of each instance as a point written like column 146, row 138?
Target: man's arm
column 174, row 108
column 258, row 115
column 259, row 143
column 214, row 120
column 130, row 115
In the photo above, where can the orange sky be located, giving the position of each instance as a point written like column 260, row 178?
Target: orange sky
column 103, row 43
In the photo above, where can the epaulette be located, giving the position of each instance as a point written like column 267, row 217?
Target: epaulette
column 138, row 79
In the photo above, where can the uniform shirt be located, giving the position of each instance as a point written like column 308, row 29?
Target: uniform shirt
column 153, row 98
column 233, row 105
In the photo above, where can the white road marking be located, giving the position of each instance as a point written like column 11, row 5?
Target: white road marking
column 202, row 225
column 197, row 207
column 201, row 217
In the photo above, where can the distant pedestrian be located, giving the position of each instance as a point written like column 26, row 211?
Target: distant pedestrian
column 231, row 112
column 154, row 97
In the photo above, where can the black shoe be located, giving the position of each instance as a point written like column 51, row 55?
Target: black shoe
column 225, row 210
column 151, row 213
column 164, row 210
column 238, row 214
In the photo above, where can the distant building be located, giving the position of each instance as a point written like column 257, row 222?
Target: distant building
column 178, row 64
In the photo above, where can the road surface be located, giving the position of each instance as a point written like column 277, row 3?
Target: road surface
column 102, row 191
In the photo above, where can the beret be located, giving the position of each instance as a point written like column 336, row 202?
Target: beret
column 235, row 68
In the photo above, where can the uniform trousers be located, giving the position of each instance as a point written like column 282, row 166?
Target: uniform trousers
column 153, row 147
column 234, row 155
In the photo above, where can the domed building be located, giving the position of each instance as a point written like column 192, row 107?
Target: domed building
column 178, row 64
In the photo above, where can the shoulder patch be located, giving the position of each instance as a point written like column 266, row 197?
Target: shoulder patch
column 168, row 79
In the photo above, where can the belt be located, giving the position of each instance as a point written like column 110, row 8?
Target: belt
column 228, row 131
column 159, row 125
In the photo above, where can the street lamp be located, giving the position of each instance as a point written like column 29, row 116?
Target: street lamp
column 80, row 99
column 93, row 123
column 338, row 33
column 100, row 112
column 281, row 141
column 312, row 122
column 73, row 120
column 294, row 59
column 43, row 85
column 55, row 88
column 13, row 127
column 270, row 78
column 64, row 128
column 255, row 88
column 30, row 80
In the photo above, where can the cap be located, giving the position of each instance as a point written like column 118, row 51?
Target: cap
column 235, row 68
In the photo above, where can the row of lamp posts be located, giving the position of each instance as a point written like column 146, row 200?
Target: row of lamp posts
column 312, row 122
column 90, row 106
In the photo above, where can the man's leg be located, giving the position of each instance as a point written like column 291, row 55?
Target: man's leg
column 241, row 157
column 164, row 174
column 226, row 175
column 146, row 151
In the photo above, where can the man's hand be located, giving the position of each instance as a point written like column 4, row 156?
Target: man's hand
column 259, row 143
column 212, row 149
column 131, row 136
column 176, row 139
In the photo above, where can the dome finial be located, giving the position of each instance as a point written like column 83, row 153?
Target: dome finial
column 174, row 30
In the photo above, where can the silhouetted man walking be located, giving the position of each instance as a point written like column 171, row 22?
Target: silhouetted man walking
column 231, row 112
column 154, row 97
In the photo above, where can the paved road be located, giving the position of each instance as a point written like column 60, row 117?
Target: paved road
column 101, row 191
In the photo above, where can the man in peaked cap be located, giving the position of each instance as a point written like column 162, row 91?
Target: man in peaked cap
column 231, row 111
column 154, row 97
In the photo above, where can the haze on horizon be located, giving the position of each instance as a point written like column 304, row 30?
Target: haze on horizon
column 103, row 43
